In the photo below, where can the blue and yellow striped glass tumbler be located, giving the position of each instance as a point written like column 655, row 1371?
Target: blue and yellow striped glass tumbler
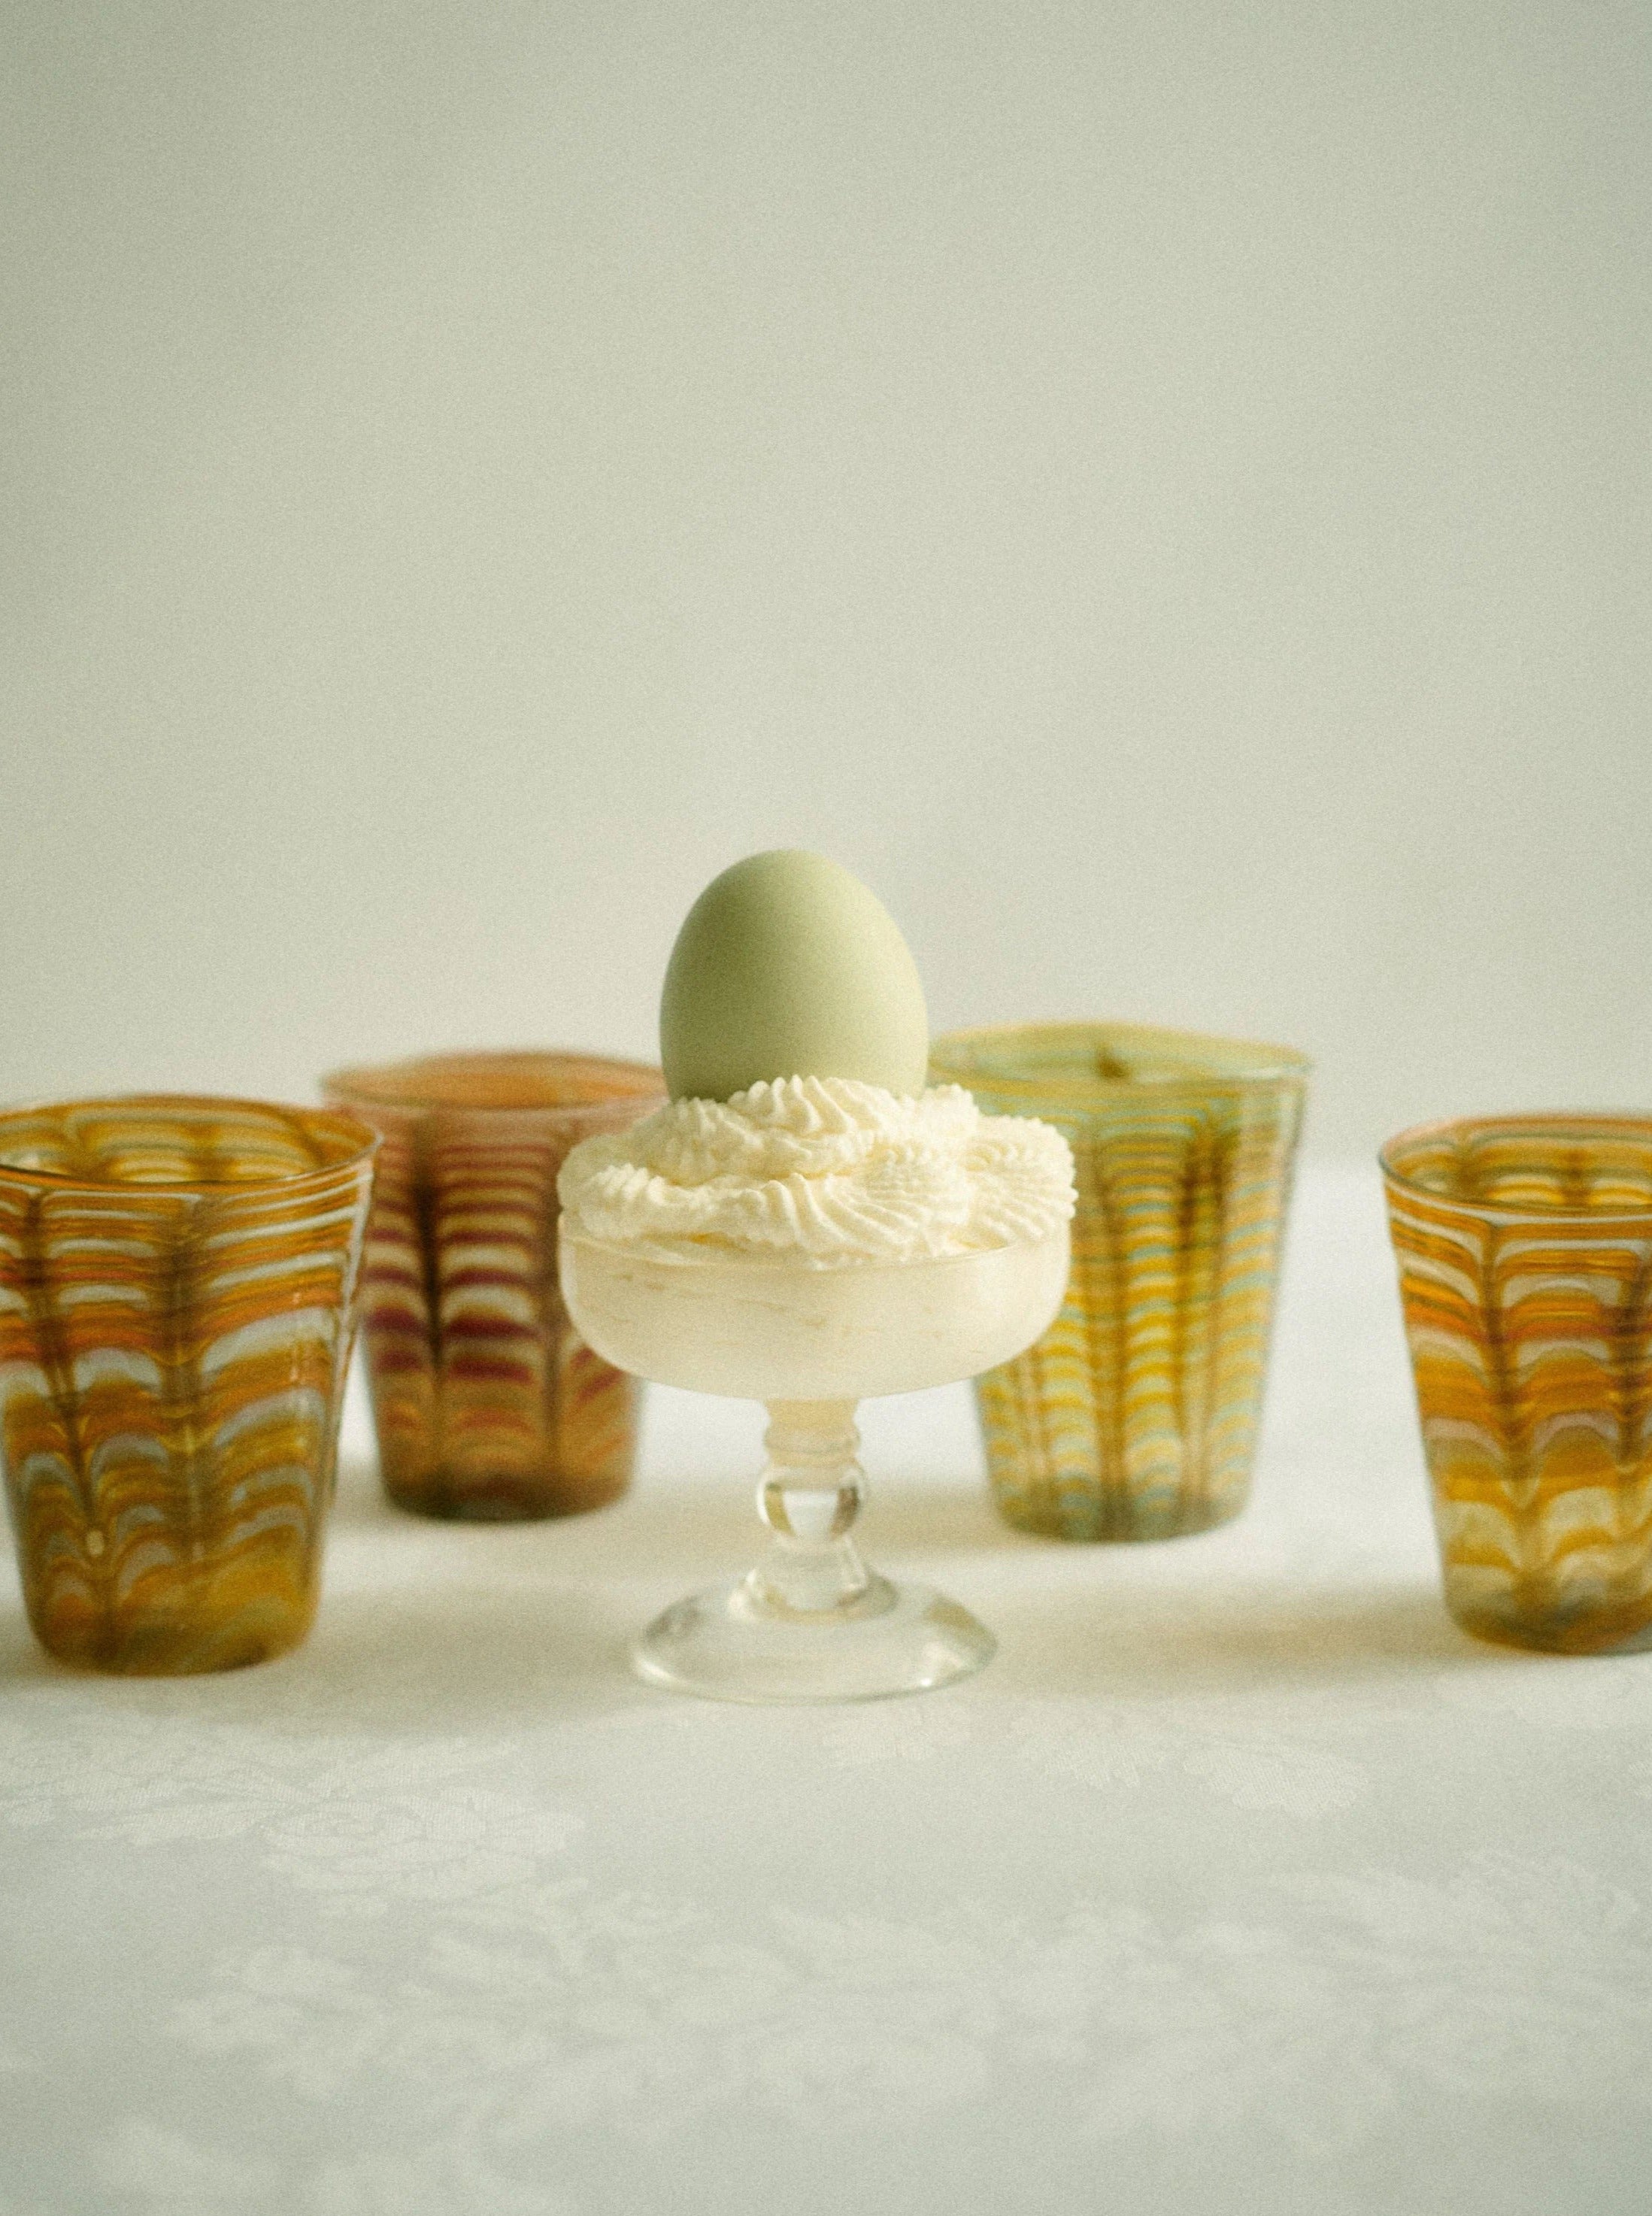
column 1135, row 1416
column 177, row 1297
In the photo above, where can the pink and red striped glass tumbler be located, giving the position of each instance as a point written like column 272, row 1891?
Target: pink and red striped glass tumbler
column 490, row 1406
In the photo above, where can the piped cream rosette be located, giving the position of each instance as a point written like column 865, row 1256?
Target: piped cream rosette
column 827, row 1173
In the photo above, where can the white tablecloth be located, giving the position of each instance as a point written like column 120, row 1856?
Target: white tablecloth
column 1240, row 1881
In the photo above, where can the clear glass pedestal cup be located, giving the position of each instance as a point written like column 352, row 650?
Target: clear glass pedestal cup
column 812, row 1622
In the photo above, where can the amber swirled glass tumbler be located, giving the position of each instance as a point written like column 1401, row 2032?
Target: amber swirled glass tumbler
column 1135, row 1416
column 177, row 1296
column 1524, row 1253
column 490, row 1406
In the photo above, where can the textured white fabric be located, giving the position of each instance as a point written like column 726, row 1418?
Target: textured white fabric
column 1240, row 1881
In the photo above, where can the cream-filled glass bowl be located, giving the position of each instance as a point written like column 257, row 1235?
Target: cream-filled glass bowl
column 812, row 1622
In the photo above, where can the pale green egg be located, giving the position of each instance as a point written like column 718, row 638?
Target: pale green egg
column 786, row 966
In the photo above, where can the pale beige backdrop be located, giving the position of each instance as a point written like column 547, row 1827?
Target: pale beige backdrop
column 1160, row 490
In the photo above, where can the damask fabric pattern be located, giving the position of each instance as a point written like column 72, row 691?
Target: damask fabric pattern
column 1240, row 1881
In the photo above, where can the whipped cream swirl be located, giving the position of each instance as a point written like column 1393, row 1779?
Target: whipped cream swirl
column 824, row 1171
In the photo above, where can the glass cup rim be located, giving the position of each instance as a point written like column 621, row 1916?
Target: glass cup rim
column 1634, row 1122
column 372, row 1085
column 1271, row 1063
column 364, row 1144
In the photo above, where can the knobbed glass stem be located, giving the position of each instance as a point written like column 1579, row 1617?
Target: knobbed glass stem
column 809, row 1496
column 812, row 1622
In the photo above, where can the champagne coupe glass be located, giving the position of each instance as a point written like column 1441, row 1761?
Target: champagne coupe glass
column 812, row 1622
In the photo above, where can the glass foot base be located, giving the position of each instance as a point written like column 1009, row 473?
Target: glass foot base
column 729, row 1644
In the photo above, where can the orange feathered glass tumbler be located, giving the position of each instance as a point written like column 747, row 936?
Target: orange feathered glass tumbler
column 1524, row 1253
column 177, row 1297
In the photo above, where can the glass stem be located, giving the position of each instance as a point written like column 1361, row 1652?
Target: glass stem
column 809, row 1496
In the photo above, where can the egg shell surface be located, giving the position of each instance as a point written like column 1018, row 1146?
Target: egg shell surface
column 788, row 966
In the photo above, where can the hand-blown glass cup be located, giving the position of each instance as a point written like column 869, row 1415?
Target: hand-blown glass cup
column 490, row 1406
column 177, row 1297
column 1135, row 1415
column 1524, row 1251
column 811, row 1622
